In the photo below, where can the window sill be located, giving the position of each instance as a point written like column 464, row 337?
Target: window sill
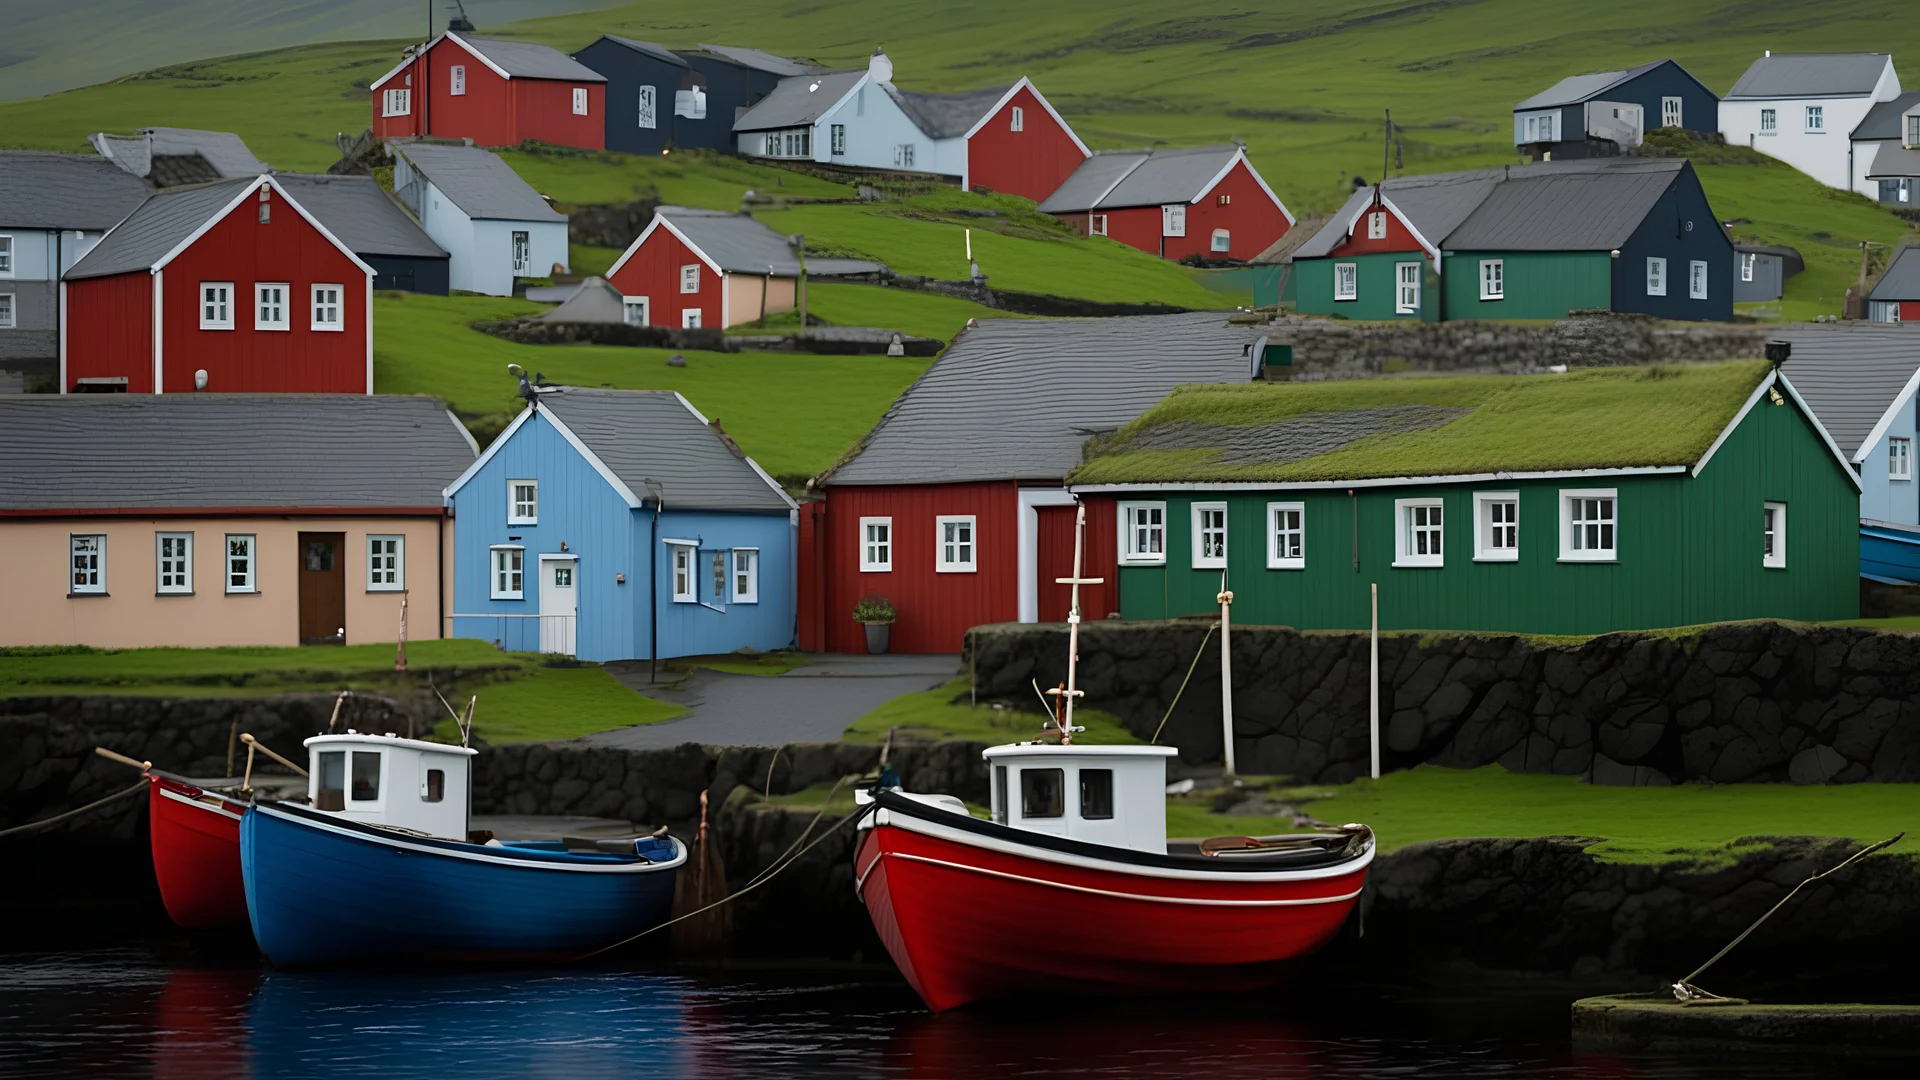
column 329, row 329
column 685, row 600
column 274, row 329
column 876, row 569
column 1346, row 299
column 1493, row 299
column 176, row 593
column 1287, row 564
column 738, row 600
column 1402, row 564
column 386, row 588
column 1210, row 566
column 204, row 326
column 514, row 596
column 515, row 523
column 85, row 595
column 243, row 592
column 1774, row 566
column 1600, row 559
column 1513, row 558
column 954, row 570
column 1143, row 562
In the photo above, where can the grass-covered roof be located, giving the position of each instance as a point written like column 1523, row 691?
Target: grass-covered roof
column 1429, row 426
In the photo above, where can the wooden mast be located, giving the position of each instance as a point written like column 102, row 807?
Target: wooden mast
column 1071, row 690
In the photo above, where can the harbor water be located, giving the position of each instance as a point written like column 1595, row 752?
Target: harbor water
column 160, row 1012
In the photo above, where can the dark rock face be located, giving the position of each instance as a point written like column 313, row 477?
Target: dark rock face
column 1739, row 702
column 610, row 225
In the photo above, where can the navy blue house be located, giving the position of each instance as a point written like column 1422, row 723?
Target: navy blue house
column 660, row 99
column 1609, row 112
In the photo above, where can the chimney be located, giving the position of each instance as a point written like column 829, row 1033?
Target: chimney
column 879, row 66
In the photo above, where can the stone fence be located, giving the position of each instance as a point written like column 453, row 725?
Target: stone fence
column 1756, row 701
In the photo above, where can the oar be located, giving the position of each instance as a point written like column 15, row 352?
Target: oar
column 267, row 750
column 146, row 767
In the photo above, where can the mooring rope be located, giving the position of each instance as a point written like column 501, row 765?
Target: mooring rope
column 1183, row 684
column 35, row 826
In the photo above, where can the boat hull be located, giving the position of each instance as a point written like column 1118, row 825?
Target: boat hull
column 196, row 855
column 966, row 922
column 322, row 893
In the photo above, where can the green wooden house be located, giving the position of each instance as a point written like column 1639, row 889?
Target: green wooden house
column 1581, row 503
column 1522, row 242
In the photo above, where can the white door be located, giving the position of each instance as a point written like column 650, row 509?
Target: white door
column 522, row 255
column 559, row 604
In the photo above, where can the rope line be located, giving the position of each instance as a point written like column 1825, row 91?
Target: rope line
column 1197, row 653
column 34, row 826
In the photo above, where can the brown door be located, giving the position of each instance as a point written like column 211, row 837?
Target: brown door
column 323, row 588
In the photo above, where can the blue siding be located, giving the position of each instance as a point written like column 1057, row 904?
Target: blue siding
column 1680, row 228
column 694, row 629
column 1883, row 499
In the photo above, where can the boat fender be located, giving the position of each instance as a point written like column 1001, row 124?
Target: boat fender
column 494, row 841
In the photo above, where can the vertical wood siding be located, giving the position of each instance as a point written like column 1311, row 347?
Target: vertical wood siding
column 110, row 330
column 1376, row 284
column 1680, row 228
column 1252, row 220
column 484, row 113
column 543, row 110
column 1031, row 163
column 1055, row 561
column 697, row 629
column 1539, row 284
column 654, row 272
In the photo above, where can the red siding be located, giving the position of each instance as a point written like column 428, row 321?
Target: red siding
column 1910, row 311
column 1398, row 238
column 1253, row 221
column 543, row 109
column 1100, row 559
column 654, row 272
column 1137, row 226
column 110, row 330
column 494, row 111
column 935, row 610
column 1032, row 162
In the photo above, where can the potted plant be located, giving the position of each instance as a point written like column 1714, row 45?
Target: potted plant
column 877, row 615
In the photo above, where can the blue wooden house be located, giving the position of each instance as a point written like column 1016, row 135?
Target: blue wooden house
column 661, row 99
column 621, row 524
column 1609, row 112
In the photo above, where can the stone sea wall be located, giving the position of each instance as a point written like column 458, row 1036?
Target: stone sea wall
column 1736, row 702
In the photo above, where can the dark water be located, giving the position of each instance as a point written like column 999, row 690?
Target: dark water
column 131, row 1012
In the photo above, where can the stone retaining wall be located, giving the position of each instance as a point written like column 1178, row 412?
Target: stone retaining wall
column 1735, row 702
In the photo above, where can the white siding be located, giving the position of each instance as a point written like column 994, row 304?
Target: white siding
column 1821, row 156
column 480, row 253
column 871, row 138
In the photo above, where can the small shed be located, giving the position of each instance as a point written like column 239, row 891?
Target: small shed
column 1895, row 298
column 1760, row 271
column 494, row 227
column 692, row 268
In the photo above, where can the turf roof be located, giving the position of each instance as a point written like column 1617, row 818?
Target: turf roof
column 1429, row 426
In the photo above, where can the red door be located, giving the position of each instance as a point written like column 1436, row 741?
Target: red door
column 1100, row 560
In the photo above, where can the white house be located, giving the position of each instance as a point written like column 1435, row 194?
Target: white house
column 1803, row 107
column 494, row 227
column 1886, row 152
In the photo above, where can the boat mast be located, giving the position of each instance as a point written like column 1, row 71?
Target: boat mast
column 1073, row 622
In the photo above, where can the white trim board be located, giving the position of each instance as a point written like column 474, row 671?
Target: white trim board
column 1772, row 377
column 1375, row 482
column 1365, row 208
column 1027, row 545
column 748, row 458
column 1044, row 103
column 659, row 220
column 1886, row 418
column 221, row 214
column 1240, row 158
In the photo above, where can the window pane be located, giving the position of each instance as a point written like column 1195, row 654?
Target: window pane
column 1043, row 793
column 436, row 786
column 366, row 775
column 1096, row 794
column 331, row 794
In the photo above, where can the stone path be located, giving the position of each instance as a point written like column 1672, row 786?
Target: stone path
column 812, row 703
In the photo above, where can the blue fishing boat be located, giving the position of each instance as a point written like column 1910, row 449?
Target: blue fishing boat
column 369, row 869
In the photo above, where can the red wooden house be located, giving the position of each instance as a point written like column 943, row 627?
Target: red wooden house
column 1205, row 201
column 953, row 507
column 1007, row 138
column 224, row 287
column 709, row 268
column 495, row 92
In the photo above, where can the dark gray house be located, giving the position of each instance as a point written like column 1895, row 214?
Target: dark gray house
column 661, row 99
column 53, row 209
column 1609, row 112
column 1760, row 271
column 361, row 215
column 1886, row 145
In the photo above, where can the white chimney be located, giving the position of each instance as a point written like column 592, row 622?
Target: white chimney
column 879, row 66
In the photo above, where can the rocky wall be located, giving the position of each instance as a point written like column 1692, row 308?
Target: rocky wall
column 1733, row 702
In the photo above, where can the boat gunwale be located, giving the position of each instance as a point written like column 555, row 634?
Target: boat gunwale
column 573, row 862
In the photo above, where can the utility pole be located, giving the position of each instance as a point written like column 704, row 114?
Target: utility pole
column 1386, row 146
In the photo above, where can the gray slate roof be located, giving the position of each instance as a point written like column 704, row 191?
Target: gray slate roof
column 798, row 101
column 1850, row 373
column 1902, row 279
column 44, row 190
column 1575, row 89
column 225, row 151
column 212, row 450
column 1894, row 161
column 1015, row 398
column 1883, row 120
column 1153, row 178
column 762, row 61
column 658, row 52
column 478, row 182
column 592, row 301
column 735, row 241
column 1802, row 75
column 527, row 60
column 165, row 219
column 360, row 214
column 644, row 435
column 947, row 116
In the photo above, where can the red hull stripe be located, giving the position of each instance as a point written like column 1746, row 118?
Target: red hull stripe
column 1208, row 901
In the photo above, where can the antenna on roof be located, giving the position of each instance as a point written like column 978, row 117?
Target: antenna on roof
column 460, row 21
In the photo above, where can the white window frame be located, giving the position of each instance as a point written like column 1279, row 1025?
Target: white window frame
column 1675, row 107
column 221, row 305
column 7, row 306
column 271, row 314
column 1131, row 552
column 1173, row 219
column 750, row 571
column 1197, row 516
column 683, row 577
column 1656, row 276
column 1696, row 279
column 97, row 571
column 396, row 102
column 837, row 139
column 1769, row 121
column 183, row 583
column 646, row 107
column 1019, row 121
column 1746, row 265
column 579, row 101
column 1900, row 458
column 1346, row 281
column 689, row 279
column 6, row 255
column 507, row 572
column 249, row 561
column 870, row 546
column 628, row 303
column 1377, row 225
column 1493, row 279
column 1547, row 126
column 970, row 547
column 1816, row 119
column 1570, row 554
column 1278, row 555
column 1777, row 558
column 1222, row 240
column 457, row 80
column 1403, row 526
column 381, row 578
column 690, row 318
column 514, row 516
column 1483, row 526
column 1406, row 294
column 1096, row 224
column 328, row 299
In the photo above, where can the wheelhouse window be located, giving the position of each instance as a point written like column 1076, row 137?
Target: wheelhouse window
column 240, row 563
column 1346, row 281
column 1209, row 536
column 1588, row 526
column 1773, row 535
column 508, row 573
column 330, row 787
column 1286, row 536
column 216, row 305
column 1656, row 277
column 956, row 544
column 326, row 307
column 396, row 102
column 1696, row 280
column 876, row 545
column 366, row 776
column 1422, row 532
column 523, row 502
column 1900, row 458
column 433, row 786
column 386, row 563
column 1496, row 526
column 173, row 554
column 685, row 588
column 270, row 306
column 1493, row 279
column 1143, row 534
column 745, row 580
column 1043, row 793
column 88, row 554
column 1096, row 794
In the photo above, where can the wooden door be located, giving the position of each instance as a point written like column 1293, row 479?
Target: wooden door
column 1055, row 557
column 323, row 588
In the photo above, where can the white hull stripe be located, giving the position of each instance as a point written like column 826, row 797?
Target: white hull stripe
column 198, row 805
column 1197, row 901
column 397, row 841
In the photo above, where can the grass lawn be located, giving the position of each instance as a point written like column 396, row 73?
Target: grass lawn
column 703, row 178
column 772, row 663
column 557, row 703
column 587, row 260
column 934, row 714
column 794, row 413
column 917, row 313
column 246, row 670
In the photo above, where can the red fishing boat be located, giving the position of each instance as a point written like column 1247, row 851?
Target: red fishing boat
column 196, row 852
column 1073, row 886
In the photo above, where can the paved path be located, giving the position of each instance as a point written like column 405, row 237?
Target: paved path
column 813, row 703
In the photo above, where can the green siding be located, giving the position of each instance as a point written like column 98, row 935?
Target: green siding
column 1377, row 287
column 1689, row 550
column 1539, row 284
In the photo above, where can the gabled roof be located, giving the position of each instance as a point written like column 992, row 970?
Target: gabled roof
column 360, row 214
column 642, row 440
column 1855, row 376
column 225, row 152
column 1111, row 180
column 947, row 116
column 1014, row 398
column 648, row 48
column 507, row 59
column 592, row 301
column 1891, row 161
column 762, row 61
column 170, row 220
column 799, row 100
column 478, row 181
column 731, row 243
column 40, row 189
column 1883, row 120
column 1575, row 89
column 1902, row 279
column 291, row 451
column 1809, row 75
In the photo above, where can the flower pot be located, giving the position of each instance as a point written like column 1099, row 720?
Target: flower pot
column 878, row 634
